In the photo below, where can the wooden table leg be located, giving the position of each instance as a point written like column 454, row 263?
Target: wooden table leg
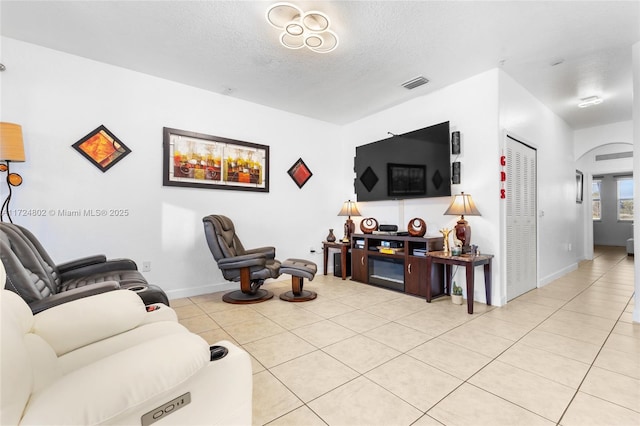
column 448, row 276
column 429, row 269
column 326, row 258
column 487, row 281
column 470, row 283
column 343, row 261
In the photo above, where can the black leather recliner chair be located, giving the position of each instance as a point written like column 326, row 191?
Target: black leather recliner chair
column 34, row 276
column 250, row 267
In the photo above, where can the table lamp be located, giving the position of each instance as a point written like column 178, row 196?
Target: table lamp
column 349, row 208
column 11, row 149
column 462, row 204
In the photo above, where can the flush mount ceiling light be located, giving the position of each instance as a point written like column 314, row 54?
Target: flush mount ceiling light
column 300, row 29
column 590, row 101
column 415, row 82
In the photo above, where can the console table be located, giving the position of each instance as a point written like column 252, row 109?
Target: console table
column 344, row 248
column 469, row 262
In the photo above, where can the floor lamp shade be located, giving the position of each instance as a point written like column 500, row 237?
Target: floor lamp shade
column 11, row 146
column 461, row 205
column 11, row 149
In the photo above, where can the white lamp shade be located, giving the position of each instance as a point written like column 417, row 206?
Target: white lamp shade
column 349, row 208
column 461, row 205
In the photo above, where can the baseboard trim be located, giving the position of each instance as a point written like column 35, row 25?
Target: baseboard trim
column 550, row 278
column 200, row 290
column 211, row 288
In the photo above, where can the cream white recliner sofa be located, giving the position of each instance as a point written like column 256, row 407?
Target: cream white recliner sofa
column 105, row 359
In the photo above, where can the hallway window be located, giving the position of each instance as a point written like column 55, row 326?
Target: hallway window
column 625, row 198
column 595, row 196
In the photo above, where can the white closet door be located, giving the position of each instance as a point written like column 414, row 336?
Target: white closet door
column 521, row 194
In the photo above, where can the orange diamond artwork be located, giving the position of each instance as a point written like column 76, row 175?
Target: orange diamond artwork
column 99, row 147
column 102, row 148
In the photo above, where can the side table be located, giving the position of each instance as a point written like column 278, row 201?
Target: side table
column 344, row 249
column 469, row 262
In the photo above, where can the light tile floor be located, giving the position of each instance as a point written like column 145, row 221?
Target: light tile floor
column 565, row 354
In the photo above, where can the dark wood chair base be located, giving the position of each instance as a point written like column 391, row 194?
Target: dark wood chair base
column 239, row 298
column 303, row 296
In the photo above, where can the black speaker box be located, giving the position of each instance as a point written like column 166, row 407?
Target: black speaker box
column 388, row 228
column 337, row 266
column 455, row 173
column 455, row 143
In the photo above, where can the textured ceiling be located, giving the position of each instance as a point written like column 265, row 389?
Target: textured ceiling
column 227, row 47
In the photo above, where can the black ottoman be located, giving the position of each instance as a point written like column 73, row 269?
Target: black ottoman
column 299, row 269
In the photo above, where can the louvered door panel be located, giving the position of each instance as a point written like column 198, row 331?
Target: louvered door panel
column 521, row 219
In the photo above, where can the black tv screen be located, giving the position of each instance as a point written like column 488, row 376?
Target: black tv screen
column 406, row 180
column 412, row 165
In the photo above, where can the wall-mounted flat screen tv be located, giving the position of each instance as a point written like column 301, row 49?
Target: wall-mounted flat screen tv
column 412, row 165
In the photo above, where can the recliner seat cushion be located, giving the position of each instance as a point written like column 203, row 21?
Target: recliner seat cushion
column 72, row 398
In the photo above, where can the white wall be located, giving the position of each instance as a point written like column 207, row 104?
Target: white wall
column 58, row 98
column 528, row 120
column 471, row 107
column 636, row 169
column 593, row 137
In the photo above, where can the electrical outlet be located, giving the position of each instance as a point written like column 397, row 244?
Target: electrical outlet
column 146, row 266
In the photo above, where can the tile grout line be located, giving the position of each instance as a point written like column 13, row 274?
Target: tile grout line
column 515, row 342
column 599, row 351
column 389, row 321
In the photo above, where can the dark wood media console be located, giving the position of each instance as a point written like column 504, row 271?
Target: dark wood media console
column 396, row 262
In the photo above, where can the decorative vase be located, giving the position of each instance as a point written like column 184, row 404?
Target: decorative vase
column 417, row 227
column 368, row 225
column 456, row 299
column 331, row 238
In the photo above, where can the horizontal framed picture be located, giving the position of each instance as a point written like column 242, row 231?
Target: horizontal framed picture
column 102, row 148
column 205, row 161
column 300, row 173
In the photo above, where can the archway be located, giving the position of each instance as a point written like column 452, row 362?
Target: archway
column 599, row 160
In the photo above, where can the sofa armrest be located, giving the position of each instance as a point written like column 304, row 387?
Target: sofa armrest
column 99, row 268
column 73, row 294
column 78, row 263
column 84, row 321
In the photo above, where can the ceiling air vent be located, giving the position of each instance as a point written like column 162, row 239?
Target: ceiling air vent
column 615, row 156
column 412, row 84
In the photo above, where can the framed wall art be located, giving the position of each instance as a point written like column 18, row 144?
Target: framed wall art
column 204, row 161
column 300, row 173
column 102, row 148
